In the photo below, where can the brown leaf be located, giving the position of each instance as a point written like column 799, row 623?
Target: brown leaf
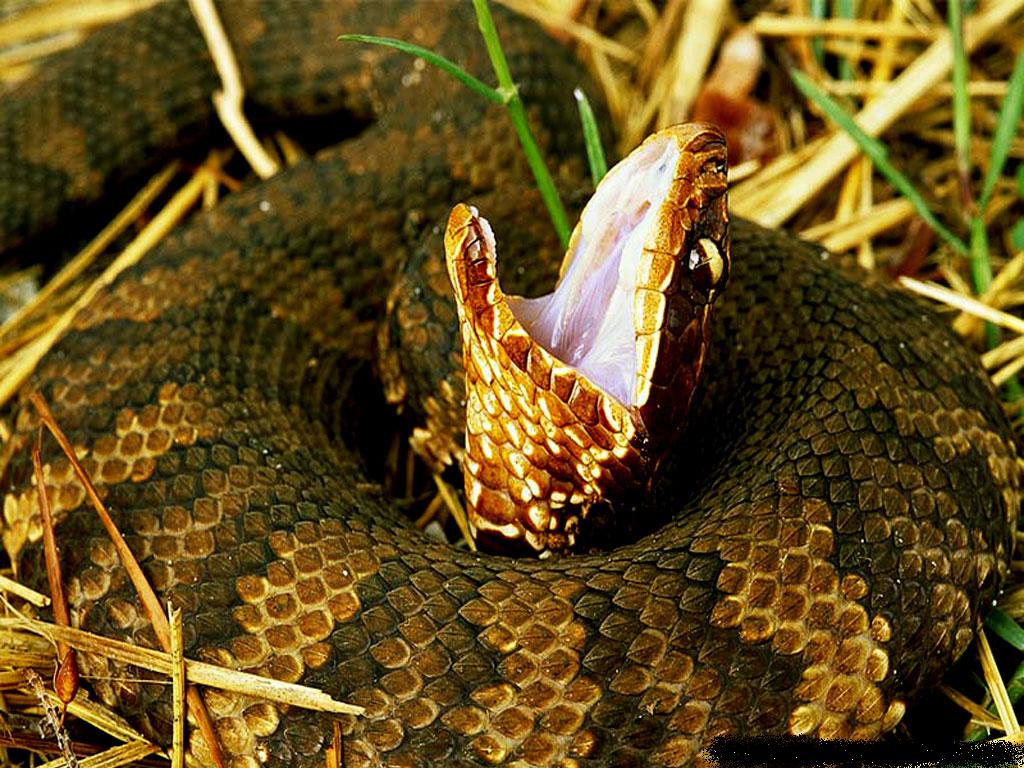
column 65, row 679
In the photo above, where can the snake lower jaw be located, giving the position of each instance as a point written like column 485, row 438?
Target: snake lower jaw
column 573, row 397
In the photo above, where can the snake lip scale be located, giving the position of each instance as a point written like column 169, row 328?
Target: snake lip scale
column 830, row 527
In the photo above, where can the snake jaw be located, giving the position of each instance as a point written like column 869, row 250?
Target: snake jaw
column 573, row 398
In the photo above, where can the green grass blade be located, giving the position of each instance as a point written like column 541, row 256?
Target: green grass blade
column 981, row 277
column 591, row 137
column 878, row 154
column 1017, row 235
column 961, row 102
column 475, row 85
column 981, row 268
column 517, row 114
column 489, row 32
column 818, row 9
column 845, row 10
column 1006, row 628
column 1006, row 128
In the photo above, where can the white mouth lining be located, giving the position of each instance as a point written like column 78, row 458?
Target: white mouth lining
column 587, row 322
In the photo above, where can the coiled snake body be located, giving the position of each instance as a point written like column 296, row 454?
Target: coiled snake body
column 830, row 527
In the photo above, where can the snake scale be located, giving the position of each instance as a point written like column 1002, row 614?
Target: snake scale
column 825, row 536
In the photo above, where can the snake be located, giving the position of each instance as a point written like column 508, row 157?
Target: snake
column 816, row 546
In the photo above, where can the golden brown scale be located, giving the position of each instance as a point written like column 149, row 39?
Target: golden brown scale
column 828, row 532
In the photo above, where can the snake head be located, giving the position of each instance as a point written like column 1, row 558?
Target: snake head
column 573, row 398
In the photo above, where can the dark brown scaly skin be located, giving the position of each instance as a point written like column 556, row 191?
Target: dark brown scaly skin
column 832, row 527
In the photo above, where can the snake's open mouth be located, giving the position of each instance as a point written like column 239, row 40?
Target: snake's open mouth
column 573, row 398
column 588, row 320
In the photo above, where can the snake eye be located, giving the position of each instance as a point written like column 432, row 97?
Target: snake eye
column 706, row 264
column 714, row 168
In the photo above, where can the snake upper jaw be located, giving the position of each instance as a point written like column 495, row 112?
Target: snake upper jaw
column 574, row 397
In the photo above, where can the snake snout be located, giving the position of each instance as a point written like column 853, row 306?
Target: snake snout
column 574, row 397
